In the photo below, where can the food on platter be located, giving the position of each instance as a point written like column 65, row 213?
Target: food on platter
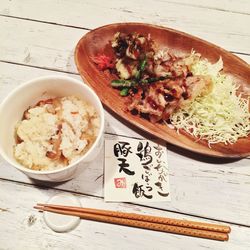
column 184, row 91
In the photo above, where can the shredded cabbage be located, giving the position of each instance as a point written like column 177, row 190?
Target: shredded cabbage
column 220, row 116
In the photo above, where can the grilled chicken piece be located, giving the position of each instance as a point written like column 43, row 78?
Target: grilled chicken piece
column 178, row 67
column 161, row 99
column 131, row 45
column 196, row 85
column 126, row 70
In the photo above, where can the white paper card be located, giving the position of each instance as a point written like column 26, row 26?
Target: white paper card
column 135, row 170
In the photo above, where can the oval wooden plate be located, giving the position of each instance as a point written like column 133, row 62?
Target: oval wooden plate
column 95, row 42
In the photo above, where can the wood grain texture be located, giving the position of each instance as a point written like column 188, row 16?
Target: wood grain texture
column 241, row 6
column 94, row 43
column 42, row 45
column 141, row 224
column 133, row 216
column 27, row 230
column 193, row 178
column 209, row 190
column 200, row 18
column 199, row 186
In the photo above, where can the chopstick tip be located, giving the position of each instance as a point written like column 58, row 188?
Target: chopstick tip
column 40, row 208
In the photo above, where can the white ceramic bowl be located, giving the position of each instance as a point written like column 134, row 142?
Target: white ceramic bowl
column 29, row 93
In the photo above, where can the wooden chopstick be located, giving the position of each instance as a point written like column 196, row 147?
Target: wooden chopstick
column 136, row 220
column 148, row 218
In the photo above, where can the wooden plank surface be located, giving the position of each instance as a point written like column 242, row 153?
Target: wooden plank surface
column 41, row 45
column 208, row 23
column 193, row 178
column 38, row 38
column 240, row 6
column 24, row 227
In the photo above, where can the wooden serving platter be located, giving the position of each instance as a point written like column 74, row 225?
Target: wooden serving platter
column 95, row 42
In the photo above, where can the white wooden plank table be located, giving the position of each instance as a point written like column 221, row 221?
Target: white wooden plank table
column 38, row 38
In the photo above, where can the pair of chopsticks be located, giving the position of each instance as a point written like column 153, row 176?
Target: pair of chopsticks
column 176, row 226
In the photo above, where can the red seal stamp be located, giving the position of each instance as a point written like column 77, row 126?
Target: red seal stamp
column 120, row 182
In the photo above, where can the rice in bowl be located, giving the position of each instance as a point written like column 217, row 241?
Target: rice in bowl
column 55, row 133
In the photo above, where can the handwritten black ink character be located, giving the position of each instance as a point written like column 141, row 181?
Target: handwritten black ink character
column 144, row 153
column 159, row 151
column 124, row 167
column 148, row 172
column 138, row 191
column 159, row 185
column 122, row 149
column 149, row 188
column 162, row 175
column 163, row 194
column 160, row 165
column 145, row 178
column 146, row 167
